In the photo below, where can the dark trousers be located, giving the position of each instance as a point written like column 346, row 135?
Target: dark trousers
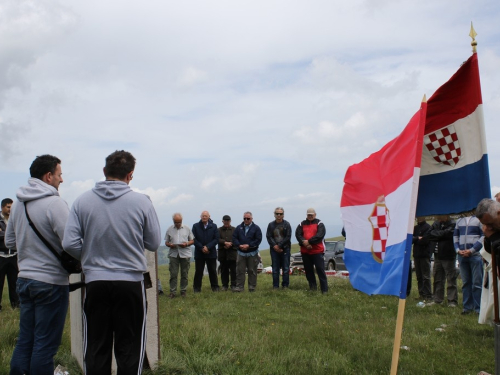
column 228, row 270
column 8, row 267
column 114, row 309
column 199, row 265
column 423, row 271
column 318, row 261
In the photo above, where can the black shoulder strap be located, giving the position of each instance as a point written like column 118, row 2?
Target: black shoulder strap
column 40, row 235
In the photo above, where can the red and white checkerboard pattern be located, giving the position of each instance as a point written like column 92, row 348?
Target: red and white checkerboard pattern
column 443, row 146
column 380, row 224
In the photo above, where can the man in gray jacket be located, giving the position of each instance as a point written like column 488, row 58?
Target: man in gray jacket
column 109, row 228
column 42, row 282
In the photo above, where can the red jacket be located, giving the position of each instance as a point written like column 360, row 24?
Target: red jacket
column 314, row 232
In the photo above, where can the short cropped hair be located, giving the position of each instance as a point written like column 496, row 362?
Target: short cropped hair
column 248, row 213
column 487, row 206
column 43, row 165
column 279, row 208
column 6, row 201
column 119, row 164
column 177, row 214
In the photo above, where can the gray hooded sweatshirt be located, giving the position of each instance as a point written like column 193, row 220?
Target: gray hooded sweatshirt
column 108, row 229
column 49, row 213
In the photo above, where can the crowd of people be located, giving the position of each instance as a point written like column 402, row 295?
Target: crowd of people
column 467, row 241
column 237, row 250
column 109, row 227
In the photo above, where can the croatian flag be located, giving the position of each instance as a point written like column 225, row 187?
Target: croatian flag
column 378, row 209
column 454, row 175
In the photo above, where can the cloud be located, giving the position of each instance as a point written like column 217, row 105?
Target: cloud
column 159, row 197
column 231, row 182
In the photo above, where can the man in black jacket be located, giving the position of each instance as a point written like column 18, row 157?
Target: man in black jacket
column 422, row 259
column 440, row 236
column 8, row 258
column 279, row 233
column 206, row 238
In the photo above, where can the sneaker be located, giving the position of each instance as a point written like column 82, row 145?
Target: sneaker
column 432, row 303
column 452, row 305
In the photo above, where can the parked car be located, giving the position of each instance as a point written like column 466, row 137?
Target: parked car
column 334, row 256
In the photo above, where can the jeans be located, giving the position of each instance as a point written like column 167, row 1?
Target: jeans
column 43, row 313
column 445, row 272
column 471, row 270
column 175, row 263
column 281, row 261
column 318, row 261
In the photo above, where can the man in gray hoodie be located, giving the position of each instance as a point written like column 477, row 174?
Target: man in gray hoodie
column 109, row 227
column 42, row 282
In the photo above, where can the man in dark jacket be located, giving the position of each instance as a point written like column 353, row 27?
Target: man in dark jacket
column 440, row 236
column 278, row 236
column 8, row 258
column 311, row 234
column 206, row 238
column 247, row 237
column 227, row 254
column 422, row 259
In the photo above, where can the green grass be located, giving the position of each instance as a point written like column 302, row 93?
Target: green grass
column 296, row 331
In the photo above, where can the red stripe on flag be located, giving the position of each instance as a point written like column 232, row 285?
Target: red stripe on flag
column 456, row 99
column 385, row 170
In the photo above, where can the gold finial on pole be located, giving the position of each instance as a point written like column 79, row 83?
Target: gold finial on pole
column 473, row 34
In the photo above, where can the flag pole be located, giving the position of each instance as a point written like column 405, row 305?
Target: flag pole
column 397, row 337
column 411, row 220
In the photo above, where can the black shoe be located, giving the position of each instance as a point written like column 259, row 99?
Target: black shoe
column 466, row 312
column 171, row 295
column 183, row 294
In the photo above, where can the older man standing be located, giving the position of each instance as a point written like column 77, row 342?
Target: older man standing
column 227, row 254
column 206, row 238
column 311, row 234
column 279, row 233
column 179, row 238
column 247, row 237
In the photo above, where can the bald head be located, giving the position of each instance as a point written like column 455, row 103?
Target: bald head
column 205, row 215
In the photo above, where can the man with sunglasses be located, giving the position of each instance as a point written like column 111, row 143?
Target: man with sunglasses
column 278, row 236
column 311, row 234
column 247, row 237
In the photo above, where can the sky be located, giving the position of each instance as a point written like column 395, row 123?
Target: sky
column 229, row 106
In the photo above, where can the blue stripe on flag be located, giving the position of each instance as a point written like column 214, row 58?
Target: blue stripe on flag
column 390, row 277
column 456, row 191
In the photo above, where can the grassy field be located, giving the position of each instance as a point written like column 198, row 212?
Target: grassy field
column 296, row 331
